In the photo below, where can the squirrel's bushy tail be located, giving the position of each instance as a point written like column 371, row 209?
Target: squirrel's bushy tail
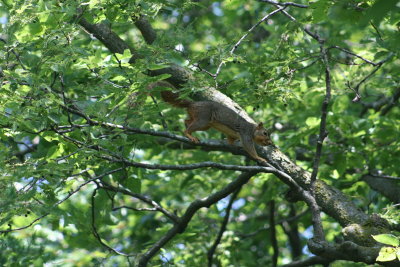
column 173, row 99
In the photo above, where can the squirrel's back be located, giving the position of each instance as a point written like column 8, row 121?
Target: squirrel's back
column 173, row 99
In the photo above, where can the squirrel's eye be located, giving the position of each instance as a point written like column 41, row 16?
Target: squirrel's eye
column 265, row 133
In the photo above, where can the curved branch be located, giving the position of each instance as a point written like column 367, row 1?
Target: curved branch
column 344, row 251
column 144, row 26
column 94, row 228
column 143, row 198
column 191, row 210
column 106, row 36
column 354, row 54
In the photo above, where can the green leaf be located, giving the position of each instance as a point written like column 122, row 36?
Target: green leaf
column 125, row 57
column 134, row 184
column 387, row 239
column 387, row 254
column 379, row 10
column 320, row 9
column 312, row 122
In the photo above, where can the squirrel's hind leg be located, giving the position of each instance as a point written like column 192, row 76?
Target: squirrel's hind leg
column 231, row 139
column 196, row 125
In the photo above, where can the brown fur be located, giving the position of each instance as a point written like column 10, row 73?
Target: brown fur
column 203, row 115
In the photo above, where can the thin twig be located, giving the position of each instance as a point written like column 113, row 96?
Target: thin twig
column 353, row 54
column 26, row 226
column 377, row 67
column 132, row 208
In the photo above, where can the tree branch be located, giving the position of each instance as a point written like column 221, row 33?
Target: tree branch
column 324, row 112
column 377, row 67
column 106, row 36
column 96, row 233
column 309, row 262
column 144, row 26
column 344, row 251
column 193, row 166
column 388, row 188
column 175, row 219
column 211, row 251
column 353, row 54
column 274, row 240
column 191, row 210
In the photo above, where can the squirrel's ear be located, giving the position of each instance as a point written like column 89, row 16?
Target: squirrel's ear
column 260, row 125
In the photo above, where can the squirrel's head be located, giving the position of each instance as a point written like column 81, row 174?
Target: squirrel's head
column 262, row 135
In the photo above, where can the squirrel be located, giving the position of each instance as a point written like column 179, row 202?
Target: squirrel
column 203, row 115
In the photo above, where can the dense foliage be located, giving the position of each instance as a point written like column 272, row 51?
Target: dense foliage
column 95, row 169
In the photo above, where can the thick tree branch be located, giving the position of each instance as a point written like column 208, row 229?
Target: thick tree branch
column 344, row 251
column 388, row 188
column 309, row 262
column 106, row 36
column 144, row 26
